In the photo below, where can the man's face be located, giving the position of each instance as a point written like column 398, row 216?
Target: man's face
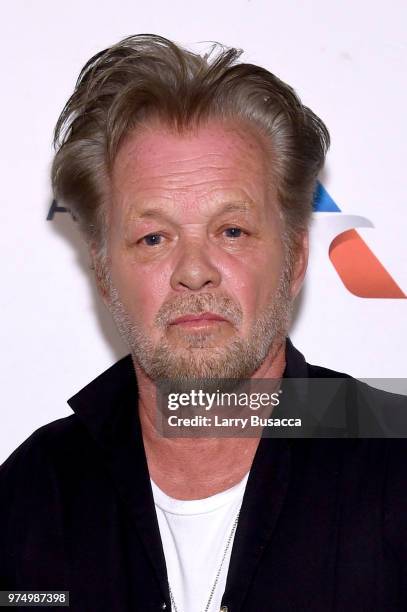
column 199, row 284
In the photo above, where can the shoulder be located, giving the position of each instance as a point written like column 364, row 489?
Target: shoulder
column 370, row 411
column 317, row 371
column 48, row 447
column 31, row 488
column 71, row 439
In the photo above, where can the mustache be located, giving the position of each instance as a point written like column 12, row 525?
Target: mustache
column 221, row 305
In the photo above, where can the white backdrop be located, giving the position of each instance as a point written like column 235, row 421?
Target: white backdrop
column 347, row 61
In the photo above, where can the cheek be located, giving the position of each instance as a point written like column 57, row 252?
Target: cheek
column 253, row 280
column 142, row 289
column 241, row 284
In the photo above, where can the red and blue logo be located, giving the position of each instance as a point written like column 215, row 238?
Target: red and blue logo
column 357, row 266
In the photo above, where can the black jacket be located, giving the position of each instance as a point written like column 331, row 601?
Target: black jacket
column 323, row 526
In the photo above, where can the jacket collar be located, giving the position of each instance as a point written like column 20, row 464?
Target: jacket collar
column 96, row 403
column 296, row 366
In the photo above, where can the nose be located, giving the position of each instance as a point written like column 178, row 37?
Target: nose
column 195, row 269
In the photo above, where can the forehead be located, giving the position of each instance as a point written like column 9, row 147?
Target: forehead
column 217, row 155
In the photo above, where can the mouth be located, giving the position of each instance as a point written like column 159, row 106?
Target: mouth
column 198, row 320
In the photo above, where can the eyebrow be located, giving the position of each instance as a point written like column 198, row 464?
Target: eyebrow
column 151, row 212
column 245, row 206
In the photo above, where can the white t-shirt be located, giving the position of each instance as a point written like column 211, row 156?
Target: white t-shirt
column 194, row 534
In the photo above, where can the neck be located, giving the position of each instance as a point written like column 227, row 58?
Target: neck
column 195, row 468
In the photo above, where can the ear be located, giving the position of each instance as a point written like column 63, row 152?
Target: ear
column 100, row 273
column 300, row 264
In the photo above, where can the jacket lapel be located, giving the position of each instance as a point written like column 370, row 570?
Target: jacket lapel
column 108, row 409
column 263, row 500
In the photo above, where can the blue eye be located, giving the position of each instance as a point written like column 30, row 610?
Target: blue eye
column 152, row 239
column 234, row 232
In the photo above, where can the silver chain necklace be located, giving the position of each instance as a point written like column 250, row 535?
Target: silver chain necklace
column 228, row 543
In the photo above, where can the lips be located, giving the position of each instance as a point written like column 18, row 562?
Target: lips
column 197, row 318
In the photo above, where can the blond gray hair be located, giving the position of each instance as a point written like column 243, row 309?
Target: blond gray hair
column 147, row 76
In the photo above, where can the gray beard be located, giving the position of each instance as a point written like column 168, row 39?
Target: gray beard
column 199, row 357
